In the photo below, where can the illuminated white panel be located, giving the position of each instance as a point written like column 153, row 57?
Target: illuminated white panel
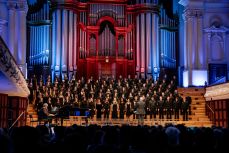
column 199, row 77
column 185, row 79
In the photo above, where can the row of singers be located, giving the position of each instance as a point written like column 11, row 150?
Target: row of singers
column 118, row 108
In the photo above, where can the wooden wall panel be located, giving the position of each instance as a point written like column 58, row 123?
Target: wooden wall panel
column 131, row 69
column 91, row 69
column 220, row 108
column 10, row 109
column 3, row 110
column 17, row 105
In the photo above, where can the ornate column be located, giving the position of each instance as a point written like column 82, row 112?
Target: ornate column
column 185, row 43
column 201, row 52
column 190, row 48
column 17, row 32
column 22, row 37
column 195, row 74
column 11, row 28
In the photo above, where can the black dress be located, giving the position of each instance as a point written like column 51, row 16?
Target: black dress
column 122, row 109
column 99, row 110
column 115, row 111
column 106, row 110
column 92, row 109
column 128, row 109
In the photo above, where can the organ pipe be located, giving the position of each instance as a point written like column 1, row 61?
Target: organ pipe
column 70, row 44
column 85, row 44
column 75, row 50
column 58, row 39
column 148, row 38
column 138, row 43
column 54, row 40
column 142, row 42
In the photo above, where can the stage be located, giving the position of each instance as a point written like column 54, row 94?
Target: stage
column 84, row 121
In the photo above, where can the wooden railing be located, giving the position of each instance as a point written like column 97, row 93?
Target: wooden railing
column 210, row 112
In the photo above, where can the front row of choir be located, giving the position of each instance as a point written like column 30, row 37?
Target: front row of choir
column 169, row 106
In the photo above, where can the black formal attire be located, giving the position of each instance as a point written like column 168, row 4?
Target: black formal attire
column 114, row 110
column 121, row 110
column 161, row 109
column 176, row 106
column 128, row 110
column 134, row 108
column 185, row 107
column 169, row 107
column 152, row 108
column 106, row 108
column 92, row 109
column 99, row 110
column 140, row 111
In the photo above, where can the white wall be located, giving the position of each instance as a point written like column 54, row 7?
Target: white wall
column 212, row 47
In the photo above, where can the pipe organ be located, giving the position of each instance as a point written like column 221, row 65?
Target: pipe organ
column 101, row 38
column 168, row 33
column 39, row 28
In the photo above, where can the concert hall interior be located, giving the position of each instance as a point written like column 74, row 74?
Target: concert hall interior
column 114, row 75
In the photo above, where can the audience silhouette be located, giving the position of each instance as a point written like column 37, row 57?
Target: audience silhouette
column 112, row 139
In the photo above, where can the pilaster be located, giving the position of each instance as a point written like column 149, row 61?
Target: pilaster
column 3, row 29
column 17, row 32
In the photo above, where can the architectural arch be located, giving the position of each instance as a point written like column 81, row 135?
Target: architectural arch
column 106, row 18
column 217, row 50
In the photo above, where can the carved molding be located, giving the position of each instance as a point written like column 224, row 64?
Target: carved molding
column 192, row 13
column 214, row 29
column 9, row 67
column 2, row 23
column 17, row 5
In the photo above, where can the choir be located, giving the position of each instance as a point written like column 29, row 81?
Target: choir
column 111, row 98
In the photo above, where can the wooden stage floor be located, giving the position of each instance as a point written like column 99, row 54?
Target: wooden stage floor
column 83, row 121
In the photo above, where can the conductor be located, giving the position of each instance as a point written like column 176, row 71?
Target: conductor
column 140, row 111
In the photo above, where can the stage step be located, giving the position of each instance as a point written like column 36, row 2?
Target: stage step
column 198, row 116
column 31, row 112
